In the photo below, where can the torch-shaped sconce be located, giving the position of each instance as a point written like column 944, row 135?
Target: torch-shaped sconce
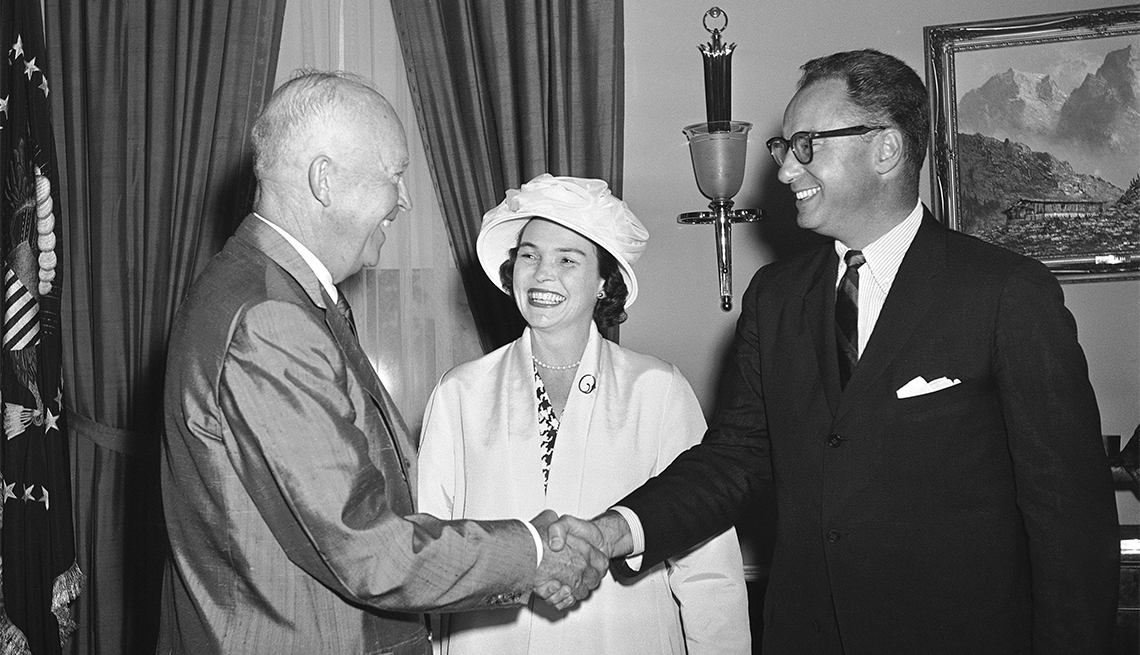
column 718, row 149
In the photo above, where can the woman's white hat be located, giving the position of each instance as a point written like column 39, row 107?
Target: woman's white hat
column 583, row 205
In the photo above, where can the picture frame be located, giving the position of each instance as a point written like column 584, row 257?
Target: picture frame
column 1035, row 137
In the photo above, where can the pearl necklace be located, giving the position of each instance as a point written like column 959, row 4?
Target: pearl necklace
column 556, row 368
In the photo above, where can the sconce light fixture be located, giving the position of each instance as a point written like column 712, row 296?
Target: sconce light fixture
column 718, row 148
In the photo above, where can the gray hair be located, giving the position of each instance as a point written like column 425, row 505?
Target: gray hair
column 311, row 98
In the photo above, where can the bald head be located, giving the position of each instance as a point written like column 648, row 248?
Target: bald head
column 329, row 155
column 320, row 113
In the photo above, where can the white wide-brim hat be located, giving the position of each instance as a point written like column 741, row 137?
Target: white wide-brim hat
column 583, row 205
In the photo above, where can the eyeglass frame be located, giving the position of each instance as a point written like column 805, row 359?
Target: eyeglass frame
column 858, row 130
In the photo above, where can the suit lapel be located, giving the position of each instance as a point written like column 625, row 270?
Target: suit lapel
column 265, row 239
column 819, row 314
column 358, row 362
column 908, row 302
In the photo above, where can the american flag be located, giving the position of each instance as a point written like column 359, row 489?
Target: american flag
column 39, row 578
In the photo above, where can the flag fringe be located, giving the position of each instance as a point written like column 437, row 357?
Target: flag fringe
column 12, row 641
column 64, row 591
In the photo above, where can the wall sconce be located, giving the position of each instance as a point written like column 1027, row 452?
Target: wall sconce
column 718, row 150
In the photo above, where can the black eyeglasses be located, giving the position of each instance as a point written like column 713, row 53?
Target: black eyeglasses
column 801, row 142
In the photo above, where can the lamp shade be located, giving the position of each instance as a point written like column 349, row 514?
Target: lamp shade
column 718, row 156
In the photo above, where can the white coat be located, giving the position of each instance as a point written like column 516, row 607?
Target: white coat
column 627, row 417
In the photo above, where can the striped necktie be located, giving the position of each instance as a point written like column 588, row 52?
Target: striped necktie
column 345, row 310
column 847, row 316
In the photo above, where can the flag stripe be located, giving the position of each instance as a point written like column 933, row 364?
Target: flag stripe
column 21, row 314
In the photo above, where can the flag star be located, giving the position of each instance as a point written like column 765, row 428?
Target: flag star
column 44, row 500
column 28, row 492
column 30, row 68
column 44, row 86
column 59, row 398
column 18, row 48
column 4, row 105
column 50, row 421
column 8, row 491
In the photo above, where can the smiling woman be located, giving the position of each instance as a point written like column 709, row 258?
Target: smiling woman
column 556, row 282
column 564, row 419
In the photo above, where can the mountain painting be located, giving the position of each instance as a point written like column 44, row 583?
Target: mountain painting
column 1047, row 149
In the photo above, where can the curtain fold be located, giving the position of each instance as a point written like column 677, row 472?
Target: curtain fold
column 504, row 91
column 154, row 105
column 412, row 314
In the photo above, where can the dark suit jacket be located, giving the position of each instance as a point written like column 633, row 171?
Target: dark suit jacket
column 285, row 480
column 976, row 519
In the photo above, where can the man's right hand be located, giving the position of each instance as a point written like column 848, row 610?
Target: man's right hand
column 608, row 531
column 568, row 574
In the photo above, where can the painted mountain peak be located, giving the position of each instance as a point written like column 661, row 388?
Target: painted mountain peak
column 1029, row 148
column 1012, row 101
column 1095, row 127
column 1104, row 111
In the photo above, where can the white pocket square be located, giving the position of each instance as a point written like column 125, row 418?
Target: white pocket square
column 919, row 386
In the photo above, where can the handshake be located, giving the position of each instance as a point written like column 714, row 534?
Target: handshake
column 576, row 554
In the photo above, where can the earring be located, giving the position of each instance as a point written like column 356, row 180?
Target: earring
column 601, row 295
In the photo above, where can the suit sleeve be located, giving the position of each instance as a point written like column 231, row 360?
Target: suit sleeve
column 1062, row 477
column 701, row 493
column 708, row 580
column 316, row 478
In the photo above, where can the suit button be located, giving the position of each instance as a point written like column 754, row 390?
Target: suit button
column 834, row 440
column 832, row 536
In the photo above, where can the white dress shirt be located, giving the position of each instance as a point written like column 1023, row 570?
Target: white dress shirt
column 883, row 255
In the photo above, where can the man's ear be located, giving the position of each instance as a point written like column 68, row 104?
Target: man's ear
column 889, row 154
column 320, row 184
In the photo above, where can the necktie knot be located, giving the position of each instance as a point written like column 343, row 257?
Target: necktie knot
column 854, row 259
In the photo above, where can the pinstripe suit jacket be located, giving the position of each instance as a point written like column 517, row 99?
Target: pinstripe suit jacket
column 976, row 519
column 286, row 480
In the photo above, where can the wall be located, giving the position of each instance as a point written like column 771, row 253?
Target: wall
column 664, row 92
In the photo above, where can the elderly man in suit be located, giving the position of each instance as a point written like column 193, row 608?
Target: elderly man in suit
column 286, row 469
column 919, row 400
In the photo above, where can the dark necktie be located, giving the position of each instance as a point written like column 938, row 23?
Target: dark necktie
column 847, row 316
column 345, row 310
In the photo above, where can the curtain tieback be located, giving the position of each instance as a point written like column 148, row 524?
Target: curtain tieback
column 125, row 442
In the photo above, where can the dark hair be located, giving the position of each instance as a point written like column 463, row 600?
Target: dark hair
column 887, row 89
column 609, row 310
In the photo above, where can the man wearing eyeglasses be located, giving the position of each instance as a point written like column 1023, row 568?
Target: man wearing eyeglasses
column 919, row 401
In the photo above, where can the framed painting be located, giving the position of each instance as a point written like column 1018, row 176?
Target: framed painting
column 1035, row 136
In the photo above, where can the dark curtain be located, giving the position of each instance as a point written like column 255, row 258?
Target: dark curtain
column 504, row 91
column 153, row 104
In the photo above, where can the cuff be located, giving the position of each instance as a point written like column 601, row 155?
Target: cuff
column 538, row 541
column 633, row 560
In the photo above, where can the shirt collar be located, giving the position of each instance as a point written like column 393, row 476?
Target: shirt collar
column 319, row 269
column 885, row 254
